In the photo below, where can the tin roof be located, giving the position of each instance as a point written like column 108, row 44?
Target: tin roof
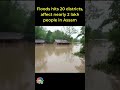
column 10, row 35
column 61, row 41
column 39, row 41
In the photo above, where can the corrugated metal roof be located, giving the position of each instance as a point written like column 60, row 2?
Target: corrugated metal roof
column 39, row 41
column 10, row 35
column 61, row 41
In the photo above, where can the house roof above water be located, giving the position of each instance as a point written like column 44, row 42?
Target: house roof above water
column 61, row 41
column 10, row 36
column 39, row 41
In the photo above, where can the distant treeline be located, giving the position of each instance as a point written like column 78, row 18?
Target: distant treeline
column 14, row 17
column 49, row 37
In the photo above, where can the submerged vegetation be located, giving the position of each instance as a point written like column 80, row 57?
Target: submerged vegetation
column 81, row 52
column 112, row 64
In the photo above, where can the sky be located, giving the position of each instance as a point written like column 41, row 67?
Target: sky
column 54, row 28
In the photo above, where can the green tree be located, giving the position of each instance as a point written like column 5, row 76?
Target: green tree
column 87, row 33
column 58, row 34
column 82, row 40
column 49, row 37
column 69, row 30
column 40, row 32
column 29, row 29
column 13, row 17
column 114, row 33
column 91, row 11
column 112, row 65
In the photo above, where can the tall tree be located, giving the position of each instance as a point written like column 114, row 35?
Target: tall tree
column 29, row 29
column 82, row 40
column 13, row 17
column 69, row 30
column 91, row 11
column 114, row 33
column 40, row 32
column 49, row 38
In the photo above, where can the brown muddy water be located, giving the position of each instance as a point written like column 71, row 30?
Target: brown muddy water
column 17, row 66
column 50, row 58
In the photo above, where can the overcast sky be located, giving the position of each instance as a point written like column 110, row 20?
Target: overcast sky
column 54, row 28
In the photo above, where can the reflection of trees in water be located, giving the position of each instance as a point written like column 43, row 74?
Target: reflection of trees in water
column 89, row 47
column 14, row 66
column 40, row 52
column 50, row 49
column 11, row 60
column 56, row 49
column 59, row 50
column 29, row 49
column 69, row 57
column 40, row 58
column 63, row 49
column 41, row 65
column 94, row 50
column 81, row 67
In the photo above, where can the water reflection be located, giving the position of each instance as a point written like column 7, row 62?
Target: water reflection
column 97, row 80
column 81, row 67
column 57, row 58
column 16, row 66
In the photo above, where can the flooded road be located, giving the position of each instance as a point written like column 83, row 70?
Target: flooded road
column 58, row 58
column 98, row 80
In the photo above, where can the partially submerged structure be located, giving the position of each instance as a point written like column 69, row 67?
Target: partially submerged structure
column 58, row 41
column 10, row 36
column 39, row 41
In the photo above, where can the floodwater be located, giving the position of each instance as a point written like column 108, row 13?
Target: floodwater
column 98, row 80
column 50, row 58
column 17, row 66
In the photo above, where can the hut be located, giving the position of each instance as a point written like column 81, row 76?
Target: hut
column 38, row 41
column 58, row 41
column 10, row 36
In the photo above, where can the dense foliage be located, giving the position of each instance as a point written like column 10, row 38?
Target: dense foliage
column 81, row 52
column 112, row 65
column 49, row 37
column 14, row 17
column 114, row 33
